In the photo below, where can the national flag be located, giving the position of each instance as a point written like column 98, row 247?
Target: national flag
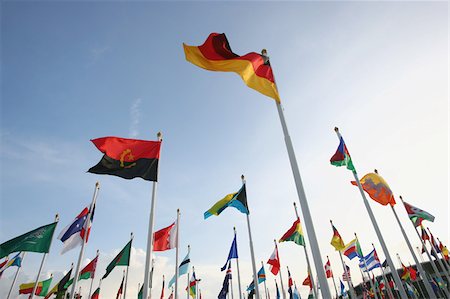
column 15, row 261
column 141, row 290
column 424, row 234
column 251, row 286
column 405, row 274
column 412, row 273
column 342, row 288
column 182, row 269
column 121, row 259
column 307, row 281
column 88, row 271
column 290, row 284
column 352, row 249
column 417, row 215
column 294, row 234
column 336, row 240
column 233, row 254
column 96, row 294
column 434, row 243
column 342, row 156
column 344, row 275
column 73, row 234
column 120, row 290
column 384, row 264
column 371, row 260
column 328, row 271
column 278, row 290
column 162, row 289
column 237, row 200
column 60, row 288
column 251, row 294
column 41, row 289
column 274, row 262
column 377, row 188
column 261, row 275
column 128, row 158
column 165, row 238
column 411, row 290
column 37, row 240
column 193, row 286
column 296, row 294
column 444, row 250
column 216, row 55
column 311, row 295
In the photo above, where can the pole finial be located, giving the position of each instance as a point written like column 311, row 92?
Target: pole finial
column 295, row 205
column 56, row 217
column 159, row 136
column 98, row 251
column 242, row 177
column 376, row 171
column 356, row 235
column 336, row 129
column 132, row 235
column 178, row 210
column 97, row 184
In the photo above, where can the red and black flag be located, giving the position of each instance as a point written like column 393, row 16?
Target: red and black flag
column 128, row 158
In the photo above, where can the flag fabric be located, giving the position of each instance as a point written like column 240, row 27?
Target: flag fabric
column 37, row 240
column 41, row 289
column 290, row 284
column 251, row 286
column 233, row 254
column 128, row 158
column 434, row 243
column 342, row 288
column 336, row 240
column 444, row 250
column 424, row 234
column 96, row 294
column 344, row 276
column 251, row 294
column 216, row 55
column 73, row 234
column 88, row 271
column 296, row 293
column 412, row 273
column 417, row 215
column 405, row 274
column 294, row 234
column 278, row 290
column 182, row 269
column 372, row 261
column 162, row 289
column 384, row 264
column 120, row 290
column 15, row 261
column 141, row 290
column 261, row 275
column 352, row 249
column 192, row 286
column 377, row 188
column 274, row 262
column 237, row 200
column 342, row 156
column 121, row 259
column 310, row 295
column 60, row 288
column 328, row 271
column 307, row 281
column 165, row 238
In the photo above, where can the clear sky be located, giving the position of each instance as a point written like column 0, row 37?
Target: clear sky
column 73, row 71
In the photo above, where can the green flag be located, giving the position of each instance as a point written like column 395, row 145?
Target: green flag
column 140, row 292
column 37, row 240
column 122, row 259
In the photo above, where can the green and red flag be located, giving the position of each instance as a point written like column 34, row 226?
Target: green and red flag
column 122, row 259
column 37, row 240
column 41, row 289
column 342, row 156
column 88, row 271
column 417, row 215
column 96, row 294
column 61, row 287
column 377, row 188
column 216, row 55
column 336, row 240
column 128, row 158
column 405, row 274
column 294, row 234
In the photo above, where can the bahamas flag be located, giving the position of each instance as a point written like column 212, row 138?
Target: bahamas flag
column 237, row 200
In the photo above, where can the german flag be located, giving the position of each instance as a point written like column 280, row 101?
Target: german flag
column 216, row 55
column 128, row 158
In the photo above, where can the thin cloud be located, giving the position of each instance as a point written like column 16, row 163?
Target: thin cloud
column 135, row 115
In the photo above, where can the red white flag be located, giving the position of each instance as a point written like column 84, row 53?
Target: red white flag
column 328, row 271
column 165, row 238
column 274, row 262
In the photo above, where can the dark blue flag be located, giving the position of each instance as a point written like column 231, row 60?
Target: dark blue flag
column 232, row 255
column 226, row 282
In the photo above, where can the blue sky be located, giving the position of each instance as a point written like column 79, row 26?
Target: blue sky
column 76, row 71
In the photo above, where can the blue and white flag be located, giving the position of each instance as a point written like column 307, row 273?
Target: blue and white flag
column 233, row 254
column 342, row 288
column 182, row 269
column 73, row 234
column 296, row 294
column 372, row 261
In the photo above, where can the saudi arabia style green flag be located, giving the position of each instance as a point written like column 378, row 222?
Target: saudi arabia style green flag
column 122, row 259
column 37, row 240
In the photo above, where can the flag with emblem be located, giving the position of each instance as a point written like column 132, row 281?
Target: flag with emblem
column 417, row 215
column 121, row 259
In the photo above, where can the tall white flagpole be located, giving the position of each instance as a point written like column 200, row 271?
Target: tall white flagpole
column 231, row 282
column 265, row 286
column 349, row 283
column 126, row 276
column 15, row 276
column 86, row 226
column 151, row 222
column 255, row 275
column 309, row 226
column 283, row 291
column 385, row 278
column 378, row 232
column 427, row 284
column 189, row 271
column 176, row 253
column 367, row 271
column 42, row 263
column 307, row 259
column 237, row 267
column 92, row 279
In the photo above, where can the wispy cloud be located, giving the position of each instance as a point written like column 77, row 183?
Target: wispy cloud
column 135, row 116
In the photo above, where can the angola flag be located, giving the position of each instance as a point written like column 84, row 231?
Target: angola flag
column 121, row 259
column 336, row 240
column 216, row 55
column 377, row 188
column 237, row 200
column 41, row 289
column 295, row 234
column 128, row 158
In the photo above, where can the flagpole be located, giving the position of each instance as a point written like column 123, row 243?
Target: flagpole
column 126, row 276
column 231, row 283
column 42, row 263
column 307, row 259
column 442, row 259
column 283, row 292
column 86, row 233
column 189, row 271
column 367, row 270
column 332, row 278
column 255, row 275
column 388, row 288
column 349, row 283
column 400, row 261
column 265, row 285
column 443, row 256
column 148, row 257
column 237, row 266
column 437, row 257
column 92, row 279
column 427, row 284
column 15, row 275
column 309, row 226
column 418, row 284
column 176, row 253
column 377, row 230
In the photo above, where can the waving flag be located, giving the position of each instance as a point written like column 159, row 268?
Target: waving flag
column 372, row 261
column 120, row 290
column 128, row 158
column 278, row 290
column 444, row 250
column 73, row 234
column 261, row 275
column 352, row 249
column 216, row 55
column 417, row 215
column 96, row 294
column 165, row 238
column 336, row 240
column 274, row 262
column 61, row 287
column 121, row 259
column 237, row 200
column 328, row 271
column 296, row 294
column 226, row 283
column 342, row 156
column 294, row 234
column 233, row 254
column 192, row 286
column 182, row 269
column 290, row 284
column 377, row 188
column 307, row 281
column 15, row 261
column 41, row 289
column 424, row 234
column 342, row 288
column 88, row 271
column 344, row 276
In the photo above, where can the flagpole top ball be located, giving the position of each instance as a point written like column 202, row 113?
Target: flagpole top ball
column 178, row 211
column 97, row 185
column 159, row 135
column 242, row 177
column 56, row 217
column 376, row 171
column 336, row 129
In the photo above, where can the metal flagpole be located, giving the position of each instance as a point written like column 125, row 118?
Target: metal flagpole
column 255, row 275
column 418, row 284
column 378, row 232
column 309, row 226
column 189, row 271
column 442, row 259
column 150, row 283
column 126, row 277
column 388, row 287
column 148, row 258
column 237, row 267
column 442, row 254
column 400, row 261
column 365, row 266
column 437, row 258
column 42, row 264
column 332, row 278
column 427, row 284
column 307, row 259
column 231, row 283
column 265, row 285
column 349, row 283
column 92, row 279
column 283, row 292
column 176, row 253
column 86, row 226
column 15, row 275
